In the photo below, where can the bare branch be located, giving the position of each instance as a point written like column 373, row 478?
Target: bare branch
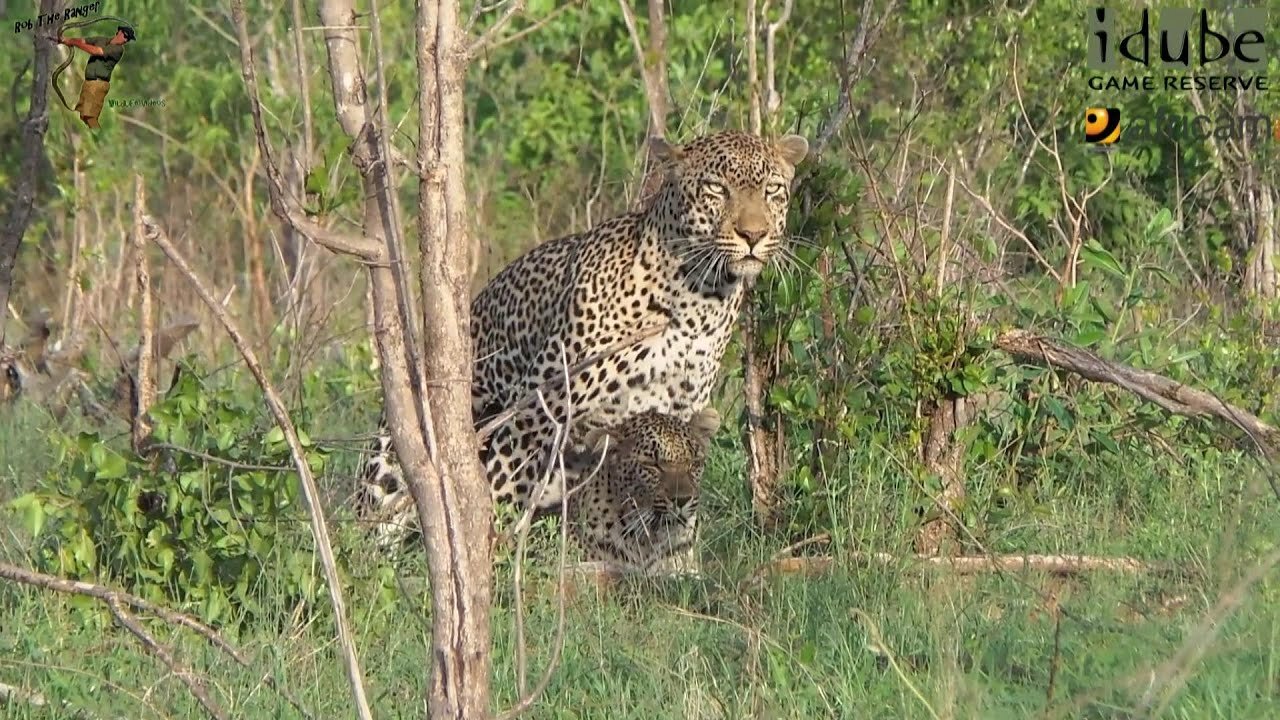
column 194, row 682
column 1171, row 395
column 310, row 493
column 533, row 28
column 772, row 100
column 23, row 194
column 489, row 38
column 855, row 66
column 286, row 208
column 106, row 594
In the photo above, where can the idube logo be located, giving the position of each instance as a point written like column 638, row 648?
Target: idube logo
column 1227, row 51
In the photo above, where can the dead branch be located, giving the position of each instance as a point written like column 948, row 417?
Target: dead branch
column 194, row 682
column 32, row 578
column 854, row 67
column 1171, row 395
column 490, row 36
column 529, row 697
column 310, row 493
column 23, row 198
column 967, row 565
column 144, row 385
column 289, row 209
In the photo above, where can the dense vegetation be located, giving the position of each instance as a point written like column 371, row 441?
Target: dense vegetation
column 957, row 201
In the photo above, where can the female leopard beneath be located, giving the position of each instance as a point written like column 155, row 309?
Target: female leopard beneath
column 681, row 264
column 637, row 506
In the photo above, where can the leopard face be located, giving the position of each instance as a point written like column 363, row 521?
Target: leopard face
column 638, row 504
column 726, row 200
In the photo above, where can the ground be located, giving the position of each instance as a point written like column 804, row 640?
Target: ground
column 857, row 641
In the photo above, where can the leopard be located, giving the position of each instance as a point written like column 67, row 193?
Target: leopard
column 631, row 315
column 637, row 507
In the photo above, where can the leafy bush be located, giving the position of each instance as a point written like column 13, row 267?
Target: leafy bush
column 204, row 520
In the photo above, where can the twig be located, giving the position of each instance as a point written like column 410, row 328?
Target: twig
column 855, row 66
column 143, row 382
column 486, row 40
column 968, row 565
column 194, row 682
column 108, row 595
column 310, row 493
column 527, row 699
column 288, row 209
column 250, row 467
column 536, row 26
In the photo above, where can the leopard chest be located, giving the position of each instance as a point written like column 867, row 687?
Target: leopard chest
column 675, row 371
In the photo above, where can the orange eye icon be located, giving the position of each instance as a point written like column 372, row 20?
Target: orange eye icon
column 1101, row 125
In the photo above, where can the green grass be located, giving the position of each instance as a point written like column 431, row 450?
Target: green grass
column 859, row 641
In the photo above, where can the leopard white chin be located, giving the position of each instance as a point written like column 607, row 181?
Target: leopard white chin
column 747, row 268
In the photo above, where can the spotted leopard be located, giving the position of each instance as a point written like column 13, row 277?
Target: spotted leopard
column 638, row 503
column 680, row 264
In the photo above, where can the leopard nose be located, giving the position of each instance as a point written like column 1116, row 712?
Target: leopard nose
column 751, row 235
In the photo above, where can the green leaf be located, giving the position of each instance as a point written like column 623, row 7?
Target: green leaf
column 111, row 465
column 1090, row 337
column 1096, row 256
column 275, row 435
column 32, row 509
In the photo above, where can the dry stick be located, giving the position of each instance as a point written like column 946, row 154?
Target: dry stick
column 143, row 382
column 22, row 576
column 527, row 700
column 965, row 565
column 852, row 71
column 310, row 493
column 1169, row 394
column 490, row 36
column 194, row 682
column 22, row 193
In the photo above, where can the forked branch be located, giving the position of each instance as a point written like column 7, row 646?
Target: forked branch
column 1169, row 394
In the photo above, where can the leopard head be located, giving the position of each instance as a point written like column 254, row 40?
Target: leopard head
column 722, row 208
column 659, row 450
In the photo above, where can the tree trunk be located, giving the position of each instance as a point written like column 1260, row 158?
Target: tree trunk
column 23, row 201
column 1262, row 274
column 454, row 509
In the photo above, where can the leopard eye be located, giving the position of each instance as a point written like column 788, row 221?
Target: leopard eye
column 713, row 189
column 775, row 189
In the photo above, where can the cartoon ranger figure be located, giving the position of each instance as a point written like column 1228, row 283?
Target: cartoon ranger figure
column 104, row 53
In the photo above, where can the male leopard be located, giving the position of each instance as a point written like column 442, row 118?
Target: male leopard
column 682, row 263
column 637, row 506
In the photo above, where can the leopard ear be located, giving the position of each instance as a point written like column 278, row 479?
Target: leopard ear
column 793, row 149
column 664, row 151
column 705, row 423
